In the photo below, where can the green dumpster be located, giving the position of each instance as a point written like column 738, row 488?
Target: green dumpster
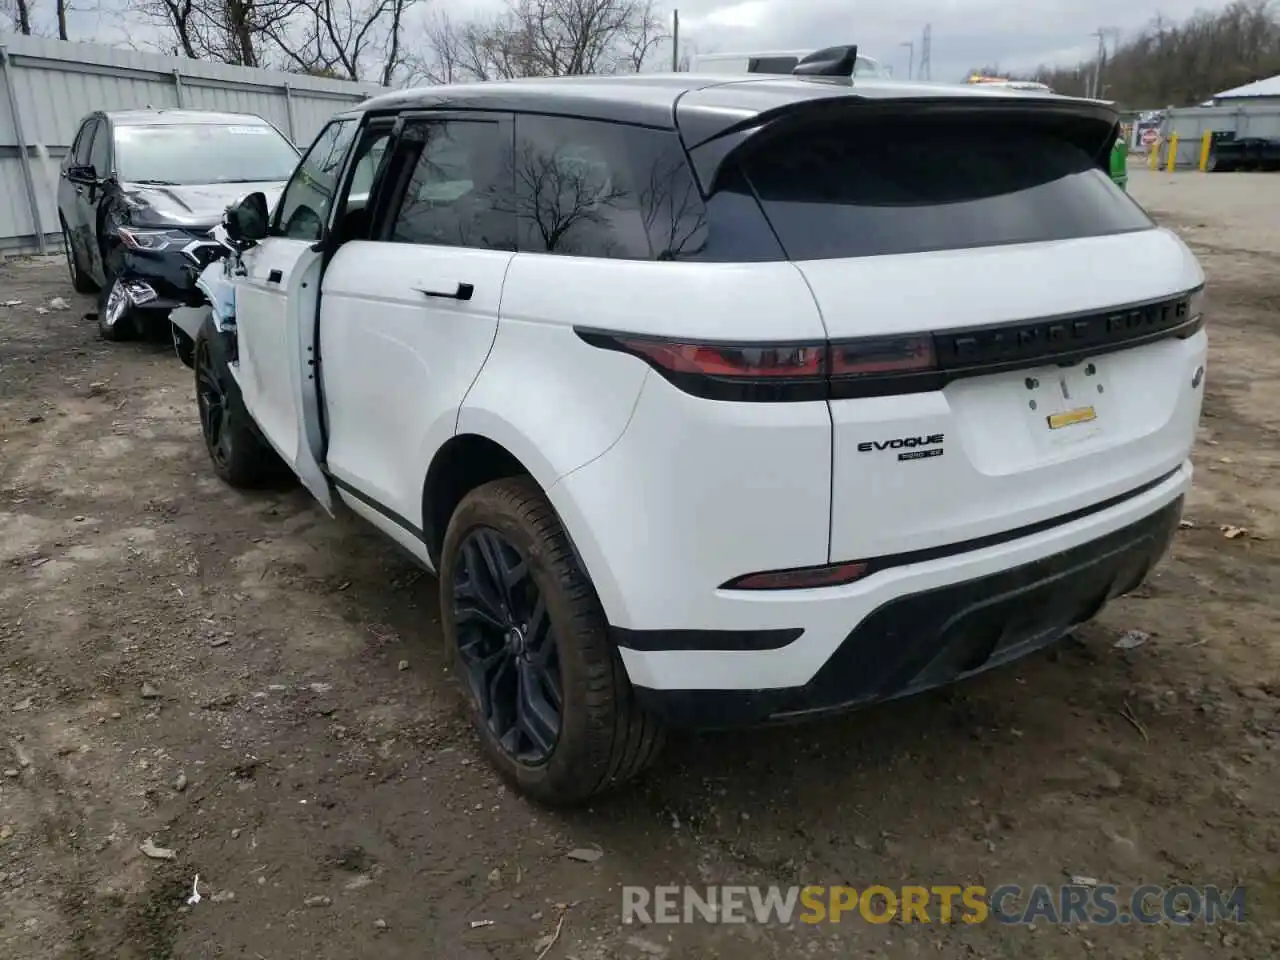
column 1120, row 163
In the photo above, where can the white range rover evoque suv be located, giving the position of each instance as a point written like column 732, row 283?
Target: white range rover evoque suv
column 715, row 401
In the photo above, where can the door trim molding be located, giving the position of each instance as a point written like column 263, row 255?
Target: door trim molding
column 398, row 519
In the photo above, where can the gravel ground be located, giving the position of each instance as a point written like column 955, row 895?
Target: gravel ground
column 261, row 691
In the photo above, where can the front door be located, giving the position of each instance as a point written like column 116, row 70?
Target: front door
column 275, row 307
column 407, row 316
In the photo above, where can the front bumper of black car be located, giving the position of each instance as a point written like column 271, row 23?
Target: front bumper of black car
column 162, row 279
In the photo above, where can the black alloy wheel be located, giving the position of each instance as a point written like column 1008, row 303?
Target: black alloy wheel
column 528, row 640
column 211, row 397
column 507, row 646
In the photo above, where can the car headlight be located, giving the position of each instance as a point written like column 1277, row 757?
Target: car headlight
column 152, row 241
column 1195, row 309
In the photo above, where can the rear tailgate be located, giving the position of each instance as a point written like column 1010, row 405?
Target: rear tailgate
column 1042, row 349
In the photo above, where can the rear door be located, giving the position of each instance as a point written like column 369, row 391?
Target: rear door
column 275, row 310
column 71, row 201
column 1013, row 334
column 408, row 314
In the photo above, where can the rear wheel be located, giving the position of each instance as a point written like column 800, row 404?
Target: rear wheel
column 81, row 282
column 527, row 636
column 239, row 455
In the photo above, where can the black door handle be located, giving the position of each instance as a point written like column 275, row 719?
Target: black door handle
column 275, row 276
column 464, row 292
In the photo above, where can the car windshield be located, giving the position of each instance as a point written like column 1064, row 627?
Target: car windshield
column 189, row 153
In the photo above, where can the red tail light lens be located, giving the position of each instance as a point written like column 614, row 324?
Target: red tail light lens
column 774, row 371
column 834, row 575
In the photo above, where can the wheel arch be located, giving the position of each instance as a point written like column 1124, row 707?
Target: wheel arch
column 469, row 460
column 464, row 462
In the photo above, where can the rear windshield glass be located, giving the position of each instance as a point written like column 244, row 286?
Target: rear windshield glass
column 893, row 187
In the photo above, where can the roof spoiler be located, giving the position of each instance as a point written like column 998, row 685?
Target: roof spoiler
column 828, row 62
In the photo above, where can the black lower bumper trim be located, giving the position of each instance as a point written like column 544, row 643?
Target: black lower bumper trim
column 934, row 637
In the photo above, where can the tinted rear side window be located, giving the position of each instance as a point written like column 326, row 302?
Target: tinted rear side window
column 595, row 189
column 894, row 187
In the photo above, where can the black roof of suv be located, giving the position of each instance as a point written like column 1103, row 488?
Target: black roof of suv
column 701, row 107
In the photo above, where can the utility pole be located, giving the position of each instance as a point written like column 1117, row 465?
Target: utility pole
column 926, row 53
column 1094, row 91
column 911, row 55
column 675, row 41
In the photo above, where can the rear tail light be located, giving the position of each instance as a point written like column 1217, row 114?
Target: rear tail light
column 803, row 360
column 772, row 371
column 881, row 366
column 883, row 355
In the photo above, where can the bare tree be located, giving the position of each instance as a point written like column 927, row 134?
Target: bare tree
column 61, row 10
column 476, row 50
column 543, row 38
column 1184, row 63
column 351, row 39
column 227, row 31
column 19, row 13
column 648, row 30
column 570, row 37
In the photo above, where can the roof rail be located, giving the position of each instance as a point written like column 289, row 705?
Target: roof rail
column 828, row 62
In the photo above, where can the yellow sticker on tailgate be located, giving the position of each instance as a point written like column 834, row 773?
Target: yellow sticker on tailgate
column 1071, row 417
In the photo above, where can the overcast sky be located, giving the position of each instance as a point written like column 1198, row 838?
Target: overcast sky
column 1015, row 34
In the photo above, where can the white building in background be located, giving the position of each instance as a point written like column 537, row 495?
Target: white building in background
column 1259, row 92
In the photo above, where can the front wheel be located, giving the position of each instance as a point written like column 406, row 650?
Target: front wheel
column 528, row 639
column 240, row 457
column 183, row 346
column 117, row 320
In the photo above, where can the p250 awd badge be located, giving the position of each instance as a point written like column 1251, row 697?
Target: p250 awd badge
column 913, row 448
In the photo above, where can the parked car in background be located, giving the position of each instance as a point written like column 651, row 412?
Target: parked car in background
column 138, row 194
column 718, row 402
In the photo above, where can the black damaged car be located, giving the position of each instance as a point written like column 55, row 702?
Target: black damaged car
column 139, row 194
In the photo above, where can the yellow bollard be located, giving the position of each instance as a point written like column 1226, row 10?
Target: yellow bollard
column 1153, row 156
column 1173, row 152
column 1205, row 143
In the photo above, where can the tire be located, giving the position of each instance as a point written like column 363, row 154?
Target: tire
column 81, row 282
column 240, row 457
column 125, row 325
column 603, row 738
column 183, row 346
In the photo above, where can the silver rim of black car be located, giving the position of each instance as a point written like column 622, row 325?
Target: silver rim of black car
column 117, row 304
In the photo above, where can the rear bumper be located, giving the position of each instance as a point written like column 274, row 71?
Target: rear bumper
column 925, row 637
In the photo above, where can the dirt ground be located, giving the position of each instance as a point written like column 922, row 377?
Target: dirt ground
column 261, row 690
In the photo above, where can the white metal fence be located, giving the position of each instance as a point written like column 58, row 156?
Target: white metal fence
column 1241, row 117
column 48, row 86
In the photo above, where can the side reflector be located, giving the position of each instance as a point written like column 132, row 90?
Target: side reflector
column 835, row 575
